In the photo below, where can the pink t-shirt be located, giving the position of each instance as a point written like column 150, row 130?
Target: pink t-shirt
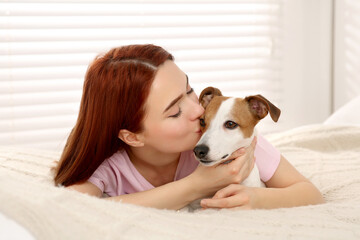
column 117, row 175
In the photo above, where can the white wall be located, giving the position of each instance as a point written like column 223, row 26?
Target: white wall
column 307, row 61
column 346, row 51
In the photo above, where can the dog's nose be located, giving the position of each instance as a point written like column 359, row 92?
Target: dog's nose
column 201, row 151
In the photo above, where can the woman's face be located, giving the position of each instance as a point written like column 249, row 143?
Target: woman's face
column 171, row 123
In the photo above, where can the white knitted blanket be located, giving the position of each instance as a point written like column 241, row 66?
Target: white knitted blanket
column 328, row 155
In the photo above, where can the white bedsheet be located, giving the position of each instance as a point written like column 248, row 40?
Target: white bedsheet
column 11, row 230
column 328, row 155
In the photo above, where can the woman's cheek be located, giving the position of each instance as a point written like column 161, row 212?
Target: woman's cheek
column 176, row 129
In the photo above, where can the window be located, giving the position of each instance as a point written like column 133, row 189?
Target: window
column 45, row 48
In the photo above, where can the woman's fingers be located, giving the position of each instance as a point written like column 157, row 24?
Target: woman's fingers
column 254, row 142
column 244, row 163
column 227, row 191
column 238, row 153
column 237, row 200
column 233, row 196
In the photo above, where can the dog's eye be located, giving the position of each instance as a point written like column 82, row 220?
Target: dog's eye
column 230, row 124
column 202, row 122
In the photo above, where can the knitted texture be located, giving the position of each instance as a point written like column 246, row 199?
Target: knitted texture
column 328, row 155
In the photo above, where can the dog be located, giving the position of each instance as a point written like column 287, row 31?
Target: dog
column 228, row 124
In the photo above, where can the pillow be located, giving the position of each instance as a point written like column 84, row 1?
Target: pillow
column 348, row 114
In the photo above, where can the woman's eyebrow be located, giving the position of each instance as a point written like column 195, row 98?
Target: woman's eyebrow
column 173, row 102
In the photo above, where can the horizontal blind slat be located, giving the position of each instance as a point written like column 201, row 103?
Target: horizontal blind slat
column 55, row 61
column 38, row 73
column 29, row 111
column 138, row 21
column 243, row 88
column 35, row 86
column 9, row 74
column 224, row 59
column 16, row 99
column 89, row 9
column 26, row 137
column 234, row 75
column 20, row 35
column 93, row 46
column 36, row 123
column 154, row 1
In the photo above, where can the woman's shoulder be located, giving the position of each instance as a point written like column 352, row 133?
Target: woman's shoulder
column 108, row 175
column 114, row 162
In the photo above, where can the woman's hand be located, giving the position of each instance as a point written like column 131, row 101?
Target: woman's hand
column 208, row 180
column 233, row 196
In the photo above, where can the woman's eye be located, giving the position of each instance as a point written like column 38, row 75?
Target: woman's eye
column 202, row 122
column 177, row 114
column 230, row 124
column 190, row 91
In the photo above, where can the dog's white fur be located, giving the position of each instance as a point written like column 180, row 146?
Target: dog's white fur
column 222, row 142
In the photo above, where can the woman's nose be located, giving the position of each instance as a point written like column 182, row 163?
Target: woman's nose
column 196, row 110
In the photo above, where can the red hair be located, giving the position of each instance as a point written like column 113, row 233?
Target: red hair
column 116, row 87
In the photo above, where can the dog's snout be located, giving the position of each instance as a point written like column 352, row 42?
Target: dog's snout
column 201, row 151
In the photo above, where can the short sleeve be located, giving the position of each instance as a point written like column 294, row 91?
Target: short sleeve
column 267, row 158
column 104, row 178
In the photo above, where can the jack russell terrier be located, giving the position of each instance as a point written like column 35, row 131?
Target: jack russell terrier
column 229, row 124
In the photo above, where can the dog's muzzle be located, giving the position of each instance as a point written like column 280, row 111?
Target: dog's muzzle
column 201, row 151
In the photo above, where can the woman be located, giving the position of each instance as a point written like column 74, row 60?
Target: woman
column 137, row 125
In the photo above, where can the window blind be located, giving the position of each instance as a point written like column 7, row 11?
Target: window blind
column 45, row 48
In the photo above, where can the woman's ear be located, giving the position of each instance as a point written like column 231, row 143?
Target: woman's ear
column 130, row 138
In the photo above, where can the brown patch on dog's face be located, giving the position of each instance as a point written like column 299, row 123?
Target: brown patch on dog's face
column 243, row 117
column 210, row 111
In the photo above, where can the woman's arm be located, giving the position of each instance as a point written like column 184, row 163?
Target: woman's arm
column 174, row 195
column 88, row 188
column 203, row 182
column 286, row 188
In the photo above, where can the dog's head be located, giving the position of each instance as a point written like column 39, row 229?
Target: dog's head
column 229, row 123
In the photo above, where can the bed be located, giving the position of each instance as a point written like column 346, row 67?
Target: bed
column 328, row 154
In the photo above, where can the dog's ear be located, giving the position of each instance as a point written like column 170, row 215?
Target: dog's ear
column 260, row 107
column 207, row 95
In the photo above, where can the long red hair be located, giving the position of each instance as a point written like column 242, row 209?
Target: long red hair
column 116, row 87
